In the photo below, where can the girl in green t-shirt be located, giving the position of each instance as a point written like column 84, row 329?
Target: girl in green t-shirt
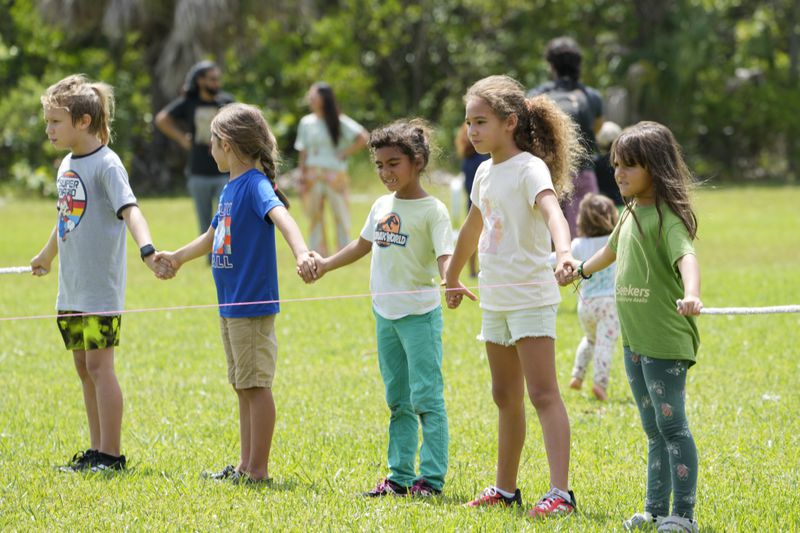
column 656, row 266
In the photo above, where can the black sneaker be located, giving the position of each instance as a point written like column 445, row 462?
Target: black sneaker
column 387, row 487
column 104, row 462
column 242, row 478
column 225, row 473
column 80, row 461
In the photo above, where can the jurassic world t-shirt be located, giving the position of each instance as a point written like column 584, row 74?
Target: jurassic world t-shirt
column 407, row 236
column 196, row 115
column 243, row 258
column 514, row 246
column 92, row 190
column 648, row 283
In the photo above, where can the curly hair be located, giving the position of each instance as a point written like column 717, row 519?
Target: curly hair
column 543, row 129
column 410, row 136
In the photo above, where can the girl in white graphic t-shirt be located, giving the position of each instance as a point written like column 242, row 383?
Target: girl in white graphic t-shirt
column 515, row 212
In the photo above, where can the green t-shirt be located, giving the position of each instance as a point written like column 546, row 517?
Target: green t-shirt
column 648, row 282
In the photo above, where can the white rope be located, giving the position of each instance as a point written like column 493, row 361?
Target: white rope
column 15, row 270
column 772, row 310
column 775, row 309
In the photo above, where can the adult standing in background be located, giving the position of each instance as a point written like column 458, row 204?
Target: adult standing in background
column 584, row 104
column 187, row 121
column 325, row 139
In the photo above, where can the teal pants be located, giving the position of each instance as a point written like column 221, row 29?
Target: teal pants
column 659, row 388
column 410, row 359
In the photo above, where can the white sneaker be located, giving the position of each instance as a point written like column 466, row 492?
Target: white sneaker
column 642, row 521
column 680, row 524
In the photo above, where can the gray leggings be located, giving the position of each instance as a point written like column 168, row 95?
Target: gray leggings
column 659, row 388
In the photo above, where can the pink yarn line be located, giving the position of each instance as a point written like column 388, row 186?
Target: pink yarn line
column 264, row 302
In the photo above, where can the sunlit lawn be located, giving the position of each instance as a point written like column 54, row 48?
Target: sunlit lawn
column 330, row 441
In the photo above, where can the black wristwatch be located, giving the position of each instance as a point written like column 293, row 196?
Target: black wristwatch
column 146, row 250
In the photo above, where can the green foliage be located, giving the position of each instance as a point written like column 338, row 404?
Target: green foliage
column 330, row 439
column 720, row 73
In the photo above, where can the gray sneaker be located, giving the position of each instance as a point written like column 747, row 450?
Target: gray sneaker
column 680, row 524
column 642, row 521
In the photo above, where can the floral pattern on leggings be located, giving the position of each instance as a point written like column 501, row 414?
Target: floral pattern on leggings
column 659, row 388
column 598, row 318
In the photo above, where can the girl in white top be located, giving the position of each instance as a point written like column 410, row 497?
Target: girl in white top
column 515, row 212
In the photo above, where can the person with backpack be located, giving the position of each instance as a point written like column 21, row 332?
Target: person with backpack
column 583, row 104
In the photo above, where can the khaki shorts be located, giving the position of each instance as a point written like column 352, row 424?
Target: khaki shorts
column 251, row 349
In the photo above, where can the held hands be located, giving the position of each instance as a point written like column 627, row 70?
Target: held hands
column 307, row 266
column 455, row 292
column 163, row 264
column 689, row 306
column 566, row 269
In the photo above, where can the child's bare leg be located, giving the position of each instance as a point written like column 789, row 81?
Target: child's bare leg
column 89, row 398
column 100, row 366
column 244, row 430
column 508, row 392
column 262, row 426
column 538, row 359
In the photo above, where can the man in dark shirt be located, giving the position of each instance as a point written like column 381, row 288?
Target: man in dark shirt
column 584, row 104
column 187, row 120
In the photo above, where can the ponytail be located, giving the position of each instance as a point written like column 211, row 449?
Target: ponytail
column 102, row 125
column 245, row 129
column 542, row 128
column 553, row 137
column 81, row 97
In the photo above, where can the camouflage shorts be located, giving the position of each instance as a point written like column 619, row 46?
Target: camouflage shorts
column 89, row 332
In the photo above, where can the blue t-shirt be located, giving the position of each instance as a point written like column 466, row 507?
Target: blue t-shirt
column 243, row 258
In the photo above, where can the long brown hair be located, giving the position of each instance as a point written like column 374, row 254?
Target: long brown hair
column 542, row 128
column 246, row 130
column 80, row 97
column 653, row 147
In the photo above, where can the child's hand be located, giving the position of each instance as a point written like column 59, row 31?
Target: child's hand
column 163, row 264
column 456, row 292
column 320, row 264
column 307, row 267
column 40, row 266
column 689, row 306
column 567, row 269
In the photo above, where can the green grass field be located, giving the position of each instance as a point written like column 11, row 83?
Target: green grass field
column 330, row 440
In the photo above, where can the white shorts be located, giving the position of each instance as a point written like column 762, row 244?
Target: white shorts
column 507, row 327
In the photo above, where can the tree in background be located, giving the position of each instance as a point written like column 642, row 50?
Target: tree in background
column 722, row 74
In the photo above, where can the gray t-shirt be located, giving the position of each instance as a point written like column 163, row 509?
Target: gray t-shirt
column 92, row 191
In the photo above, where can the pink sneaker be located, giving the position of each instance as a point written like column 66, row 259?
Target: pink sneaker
column 552, row 504
column 423, row 489
column 490, row 496
column 387, row 487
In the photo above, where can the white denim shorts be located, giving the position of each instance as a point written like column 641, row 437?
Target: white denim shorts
column 507, row 327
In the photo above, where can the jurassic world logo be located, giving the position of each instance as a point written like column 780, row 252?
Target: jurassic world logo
column 387, row 231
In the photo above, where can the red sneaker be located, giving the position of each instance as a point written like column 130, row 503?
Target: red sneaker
column 490, row 496
column 552, row 504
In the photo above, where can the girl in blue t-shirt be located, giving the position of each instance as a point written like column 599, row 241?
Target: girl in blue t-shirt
column 410, row 237
column 241, row 240
column 656, row 265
